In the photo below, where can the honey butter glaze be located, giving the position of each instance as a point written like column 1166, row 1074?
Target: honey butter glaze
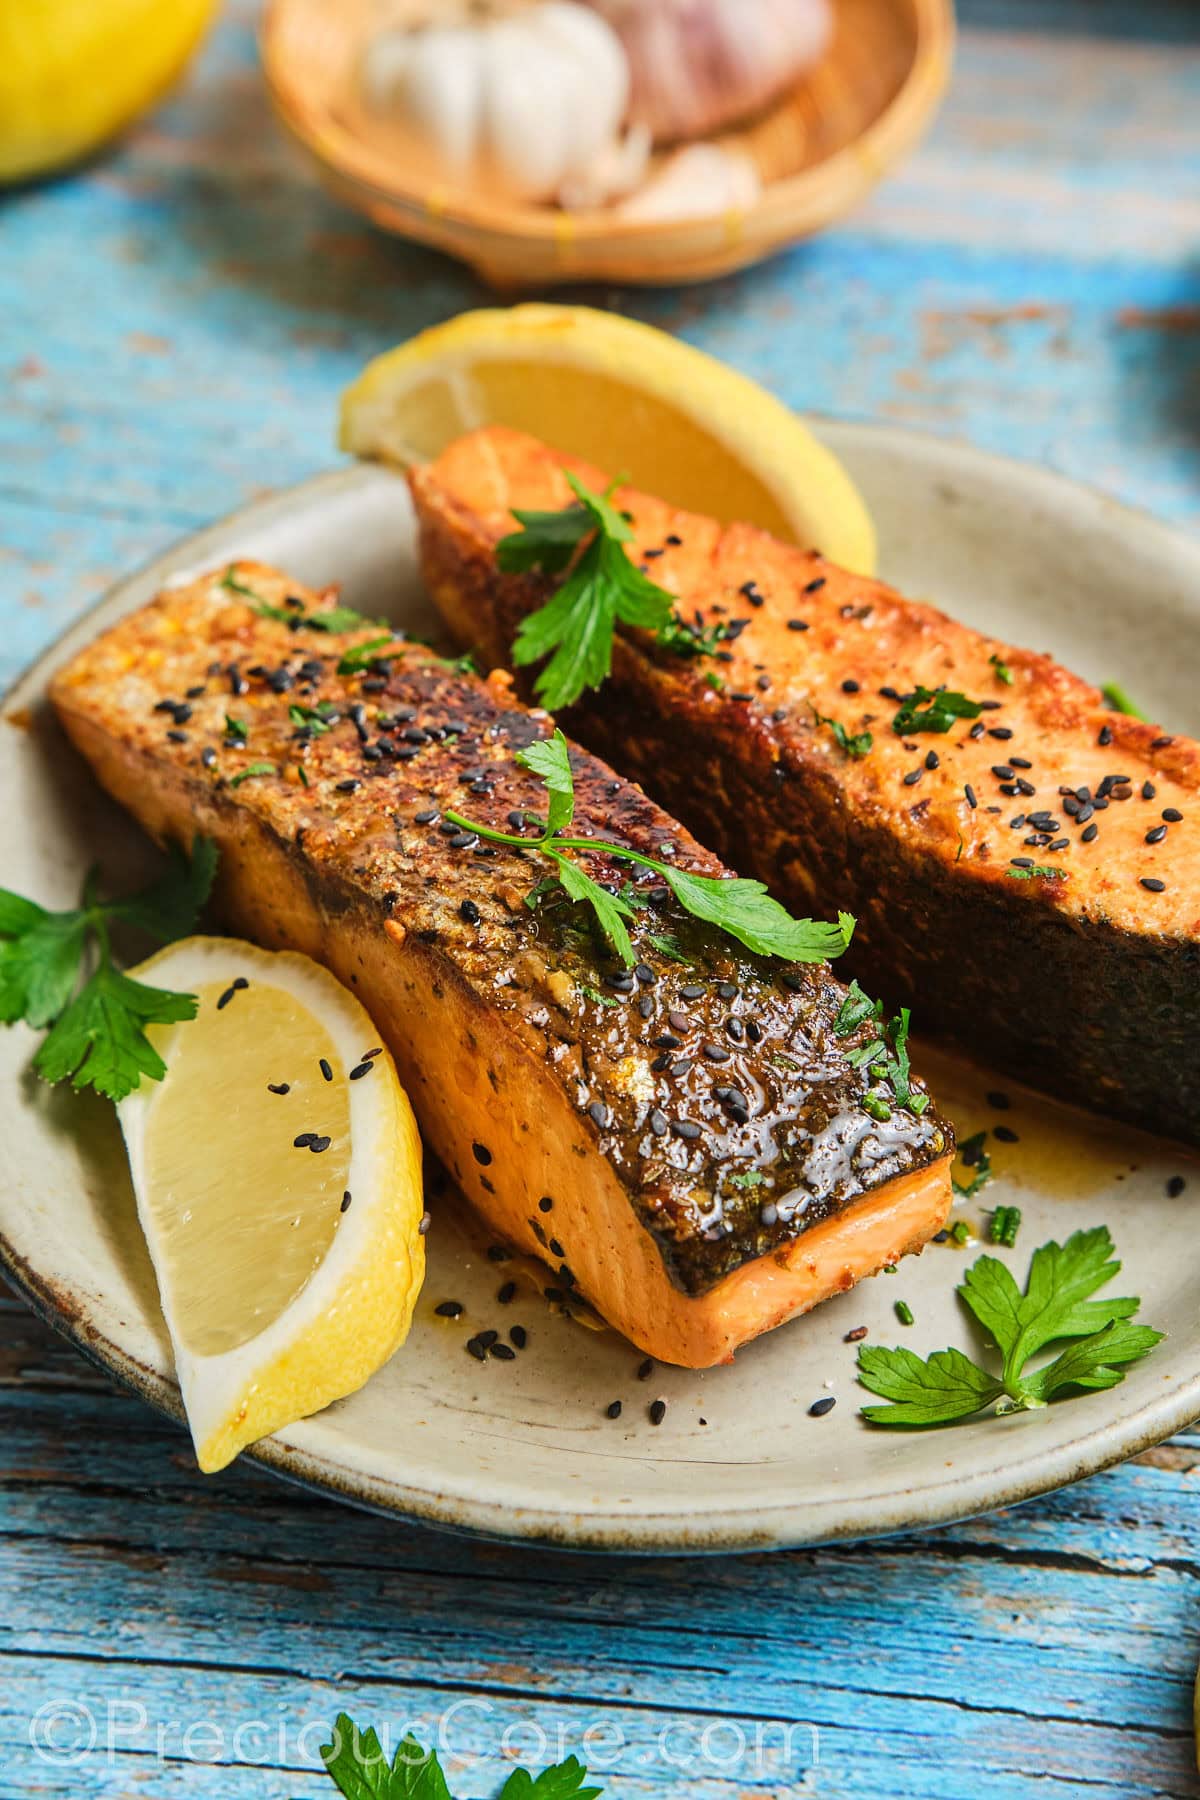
column 693, row 1122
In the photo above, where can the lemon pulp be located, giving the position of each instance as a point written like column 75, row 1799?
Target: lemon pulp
column 243, row 1232
column 642, row 405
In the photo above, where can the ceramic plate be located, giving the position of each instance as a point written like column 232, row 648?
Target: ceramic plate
column 524, row 1449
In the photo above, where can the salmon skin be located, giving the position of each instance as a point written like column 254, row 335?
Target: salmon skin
column 1084, row 981
column 686, row 1145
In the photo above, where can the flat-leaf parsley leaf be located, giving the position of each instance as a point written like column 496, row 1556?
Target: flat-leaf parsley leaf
column 742, row 908
column 1056, row 1305
column 97, row 1034
column 601, row 589
column 361, row 1770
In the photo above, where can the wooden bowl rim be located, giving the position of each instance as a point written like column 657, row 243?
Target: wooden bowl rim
column 839, row 179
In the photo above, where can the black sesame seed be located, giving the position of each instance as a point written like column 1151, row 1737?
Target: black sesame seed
column 912, row 778
column 320, row 1144
column 820, row 1407
column 279, row 1087
column 476, row 1349
column 1172, row 815
column 346, row 1199
column 812, row 587
column 502, row 1352
column 225, row 998
column 487, row 1338
column 645, row 1369
column 1002, row 771
column 325, row 1068
column 449, row 1309
column 504, row 1294
column 1148, row 790
column 1005, row 1134
column 359, row 1070
column 555, row 1248
column 545, row 1204
column 349, row 786
column 208, row 756
column 932, row 760
column 685, row 1128
column 714, row 1053
column 657, row 1123
column 482, row 1154
column 519, row 1336
column 430, row 816
column 1156, row 834
column 613, row 1409
column 598, row 1113
column 177, row 737
column 691, row 993
column 1175, row 1186
column 797, row 624
column 969, row 792
column 1153, row 884
column 423, row 1227
column 499, row 1253
column 370, row 1055
column 1089, row 833
column 658, row 1411
column 464, row 840
column 850, row 686
column 1105, row 736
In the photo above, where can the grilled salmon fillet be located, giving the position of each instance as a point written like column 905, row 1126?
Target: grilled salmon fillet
column 686, row 1145
column 1084, row 980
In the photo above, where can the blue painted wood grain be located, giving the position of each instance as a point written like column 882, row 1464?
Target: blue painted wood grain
column 176, row 322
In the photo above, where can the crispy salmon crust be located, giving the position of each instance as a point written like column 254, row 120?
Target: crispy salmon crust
column 1084, row 981
column 685, row 1144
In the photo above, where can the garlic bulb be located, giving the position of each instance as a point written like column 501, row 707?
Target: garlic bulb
column 519, row 101
column 699, row 65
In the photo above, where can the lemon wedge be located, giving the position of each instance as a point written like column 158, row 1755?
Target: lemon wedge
column 632, row 399
column 277, row 1169
column 73, row 72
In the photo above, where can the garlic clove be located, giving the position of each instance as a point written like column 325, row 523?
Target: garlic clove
column 615, row 170
column 444, row 92
column 694, row 183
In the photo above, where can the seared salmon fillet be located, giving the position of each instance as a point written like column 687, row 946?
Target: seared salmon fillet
column 686, row 1143
column 1028, row 880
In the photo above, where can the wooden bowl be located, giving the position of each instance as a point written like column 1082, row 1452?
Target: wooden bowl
column 818, row 151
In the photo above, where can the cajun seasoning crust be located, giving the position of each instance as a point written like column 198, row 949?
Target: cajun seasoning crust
column 1087, row 985
column 710, row 1079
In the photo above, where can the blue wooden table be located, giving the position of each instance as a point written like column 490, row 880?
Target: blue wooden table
column 175, row 325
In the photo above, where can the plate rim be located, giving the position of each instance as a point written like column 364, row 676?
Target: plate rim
column 654, row 1529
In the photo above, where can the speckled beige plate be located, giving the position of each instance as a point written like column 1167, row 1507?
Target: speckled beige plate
column 523, row 1449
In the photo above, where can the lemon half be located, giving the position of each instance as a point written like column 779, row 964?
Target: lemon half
column 633, row 400
column 277, row 1169
column 73, row 72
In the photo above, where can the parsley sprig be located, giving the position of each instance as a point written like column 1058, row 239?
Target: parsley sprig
column 742, row 908
column 602, row 588
column 855, row 744
column 1116, row 697
column 973, row 1155
column 1055, row 1307
column 97, row 1034
column 360, row 1769
column 337, row 618
column 884, row 1053
column 933, row 709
